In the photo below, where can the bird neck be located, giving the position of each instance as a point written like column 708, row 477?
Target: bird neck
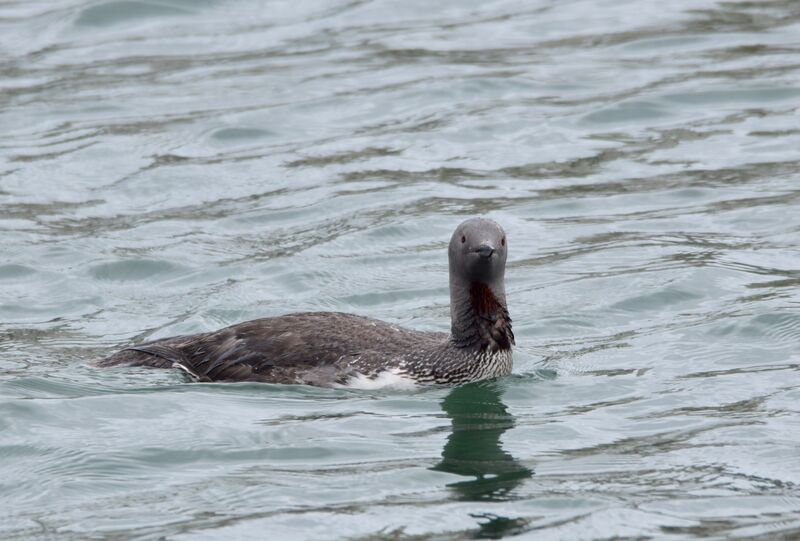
column 479, row 317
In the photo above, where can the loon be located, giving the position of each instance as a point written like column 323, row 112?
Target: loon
column 333, row 349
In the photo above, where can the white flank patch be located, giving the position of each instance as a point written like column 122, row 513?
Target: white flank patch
column 186, row 369
column 392, row 378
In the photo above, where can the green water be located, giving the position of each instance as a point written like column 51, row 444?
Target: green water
column 171, row 167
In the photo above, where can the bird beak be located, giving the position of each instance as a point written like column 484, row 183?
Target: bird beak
column 485, row 251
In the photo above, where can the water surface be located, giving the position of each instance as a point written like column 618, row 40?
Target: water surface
column 175, row 166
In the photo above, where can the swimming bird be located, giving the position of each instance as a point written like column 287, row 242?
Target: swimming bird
column 336, row 349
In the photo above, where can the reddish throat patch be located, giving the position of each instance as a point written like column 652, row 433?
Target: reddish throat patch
column 483, row 300
column 492, row 321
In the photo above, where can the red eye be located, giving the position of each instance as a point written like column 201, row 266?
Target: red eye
column 463, row 239
column 503, row 242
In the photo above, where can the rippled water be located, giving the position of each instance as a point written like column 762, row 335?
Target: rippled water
column 173, row 166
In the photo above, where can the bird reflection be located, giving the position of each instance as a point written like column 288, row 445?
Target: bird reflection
column 474, row 450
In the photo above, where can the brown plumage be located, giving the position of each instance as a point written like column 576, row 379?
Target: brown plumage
column 331, row 348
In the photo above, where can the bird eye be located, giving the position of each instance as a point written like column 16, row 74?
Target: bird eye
column 503, row 242
column 463, row 239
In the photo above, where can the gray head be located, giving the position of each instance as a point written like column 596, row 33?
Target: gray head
column 478, row 311
column 477, row 253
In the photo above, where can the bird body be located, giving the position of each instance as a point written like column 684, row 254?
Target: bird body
column 338, row 349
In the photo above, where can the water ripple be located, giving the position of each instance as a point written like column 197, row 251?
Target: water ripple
column 173, row 167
